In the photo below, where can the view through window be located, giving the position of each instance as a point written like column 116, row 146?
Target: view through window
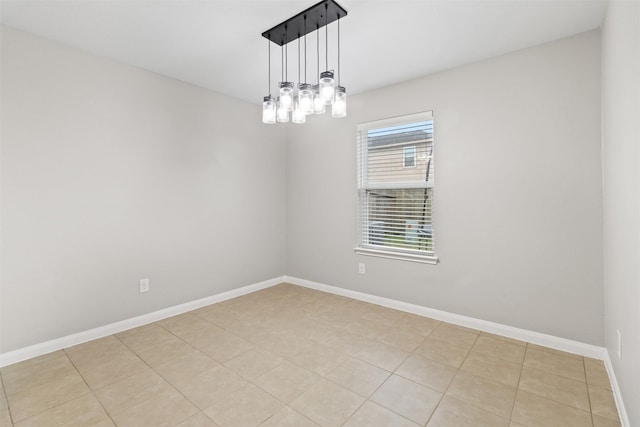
column 395, row 187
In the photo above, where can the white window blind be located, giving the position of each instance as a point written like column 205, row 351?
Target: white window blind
column 395, row 188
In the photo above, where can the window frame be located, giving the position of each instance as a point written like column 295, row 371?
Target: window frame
column 362, row 245
column 414, row 156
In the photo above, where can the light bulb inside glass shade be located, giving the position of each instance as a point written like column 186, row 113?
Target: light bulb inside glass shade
column 305, row 97
column 268, row 110
column 298, row 115
column 282, row 114
column 327, row 87
column 339, row 107
column 286, row 95
column 318, row 103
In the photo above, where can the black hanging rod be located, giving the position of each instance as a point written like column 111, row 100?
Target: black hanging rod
column 294, row 27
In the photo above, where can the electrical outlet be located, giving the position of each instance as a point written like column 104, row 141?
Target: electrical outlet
column 619, row 344
column 361, row 269
column 144, row 285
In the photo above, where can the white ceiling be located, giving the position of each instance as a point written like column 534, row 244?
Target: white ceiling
column 217, row 44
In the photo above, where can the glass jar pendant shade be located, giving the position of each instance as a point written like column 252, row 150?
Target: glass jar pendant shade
column 339, row 106
column 286, row 95
column 282, row 114
column 327, row 89
column 298, row 115
column 305, row 98
column 268, row 110
column 318, row 103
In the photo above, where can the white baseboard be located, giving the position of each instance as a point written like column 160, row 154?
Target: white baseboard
column 35, row 350
column 622, row 411
column 457, row 319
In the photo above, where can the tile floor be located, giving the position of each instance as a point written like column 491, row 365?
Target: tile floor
column 290, row 356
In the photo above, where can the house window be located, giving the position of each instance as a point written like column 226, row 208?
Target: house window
column 409, row 157
column 395, row 188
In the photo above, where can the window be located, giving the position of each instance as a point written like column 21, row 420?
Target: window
column 409, row 157
column 395, row 188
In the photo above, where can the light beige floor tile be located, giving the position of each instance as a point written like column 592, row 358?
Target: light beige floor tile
column 555, row 363
column 503, row 338
column 208, row 386
column 358, row 376
column 45, row 396
column 5, row 417
column 602, row 402
column 150, row 336
column 247, row 406
column 25, row 375
column 286, row 345
column 382, row 355
column 225, row 346
column 346, row 342
column 554, row 387
column 599, row 421
column 104, row 371
column 197, row 420
column 554, row 351
column 366, row 328
column 80, row 412
column 456, row 335
column 165, row 351
column 497, row 370
column 319, row 358
column 218, row 315
column 327, row 404
column 443, row 352
column 420, row 325
column 287, row 381
column 384, row 316
column 596, row 373
column 407, row 341
column 133, row 331
column 183, row 324
column 132, row 390
column 483, row 393
column 455, row 413
column 187, row 365
column 92, row 351
column 253, row 363
column 499, row 349
column 430, row 373
column 371, row 414
column 535, row 411
column 407, row 398
column 287, row 417
column 164, row 409
column 313, row 329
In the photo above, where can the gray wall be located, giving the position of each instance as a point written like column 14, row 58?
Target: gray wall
column 518, row 197
column 621, row 164
column 111, row 174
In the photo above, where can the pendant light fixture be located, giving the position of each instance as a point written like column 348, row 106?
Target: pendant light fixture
column 309, row 99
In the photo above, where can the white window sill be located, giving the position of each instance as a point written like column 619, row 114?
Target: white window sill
column 404, row 256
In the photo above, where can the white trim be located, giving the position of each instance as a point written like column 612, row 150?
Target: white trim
column 35, row 350
column 404, row 256
column 397, row 120
column 457, row 319
column 617, row 395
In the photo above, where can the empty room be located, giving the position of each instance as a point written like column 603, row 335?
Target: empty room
column 320, row 213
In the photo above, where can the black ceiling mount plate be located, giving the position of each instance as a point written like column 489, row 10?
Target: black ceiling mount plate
column 311, row 19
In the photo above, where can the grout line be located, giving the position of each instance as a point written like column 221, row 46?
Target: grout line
column 91, row 391
column 515, row 398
